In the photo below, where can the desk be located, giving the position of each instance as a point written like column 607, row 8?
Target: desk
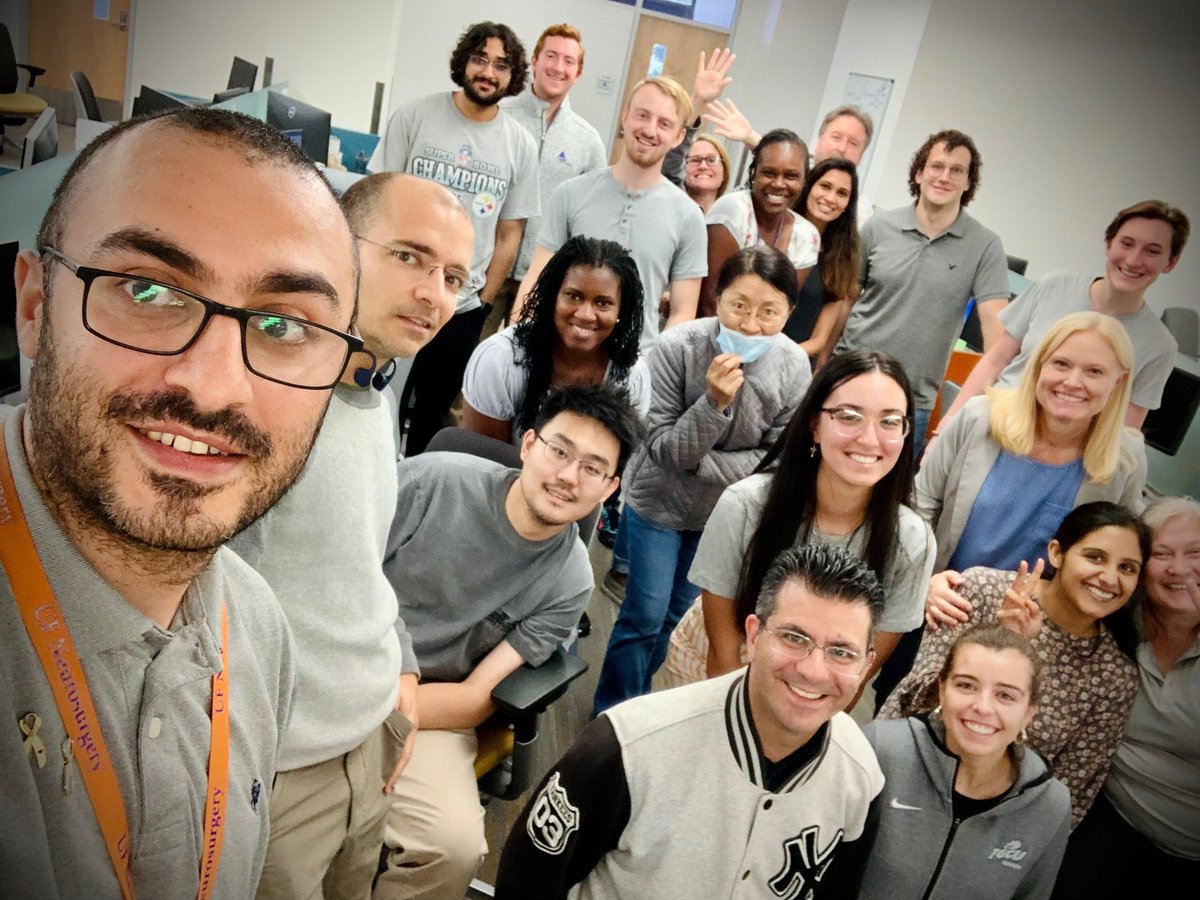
column 25, row 197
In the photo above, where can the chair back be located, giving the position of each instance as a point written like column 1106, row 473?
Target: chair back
column 41, row 140
column 86, row 106
column 1184, row 325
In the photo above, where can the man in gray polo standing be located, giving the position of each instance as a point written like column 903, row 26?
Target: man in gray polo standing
column 567, row 143
column 922, row 265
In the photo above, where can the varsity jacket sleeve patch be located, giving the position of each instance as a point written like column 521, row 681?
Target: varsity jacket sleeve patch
column 576, row 816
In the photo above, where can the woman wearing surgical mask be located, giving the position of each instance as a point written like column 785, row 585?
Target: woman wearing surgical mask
column 763, row 213
column 723, row 390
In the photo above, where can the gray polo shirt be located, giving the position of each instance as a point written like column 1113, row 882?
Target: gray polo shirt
column 661, row 227
column 152, row 688
column 490, row 166
column 567, row 146
column 916, row 290
column 1154, row 781
column 1058, row 294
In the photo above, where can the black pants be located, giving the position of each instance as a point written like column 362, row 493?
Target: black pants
column 1106, row 858
column 436, row 378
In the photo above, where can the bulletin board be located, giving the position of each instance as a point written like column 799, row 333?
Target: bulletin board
column 870, row 93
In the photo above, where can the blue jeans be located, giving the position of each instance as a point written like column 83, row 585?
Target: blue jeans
column 657, row 595
column 920, row 424
column 620, row 550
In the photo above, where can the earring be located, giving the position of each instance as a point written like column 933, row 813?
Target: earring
column 1022, row 736
column 812, row 451
column 937, row 710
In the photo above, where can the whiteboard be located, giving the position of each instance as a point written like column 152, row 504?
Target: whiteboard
column 870, row 93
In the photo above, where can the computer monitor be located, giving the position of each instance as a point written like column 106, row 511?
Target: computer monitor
column 41, row 140
column 10, row 355
column 291, row 116
column 1166, row 427
column 149, row 101
column 242, row 74
column 222, row 96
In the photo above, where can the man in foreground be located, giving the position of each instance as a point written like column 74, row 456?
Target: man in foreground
column 753, row 784
column 146, row 673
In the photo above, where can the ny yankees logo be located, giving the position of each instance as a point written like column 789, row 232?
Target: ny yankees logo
column 803, row 864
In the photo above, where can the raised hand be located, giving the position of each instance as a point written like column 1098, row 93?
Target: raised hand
column 1020, row 610
column 728, row 122
column 724, row 378
column 943, row 604
column 712, row 77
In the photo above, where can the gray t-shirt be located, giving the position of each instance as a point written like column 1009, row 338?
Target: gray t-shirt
column 494, row 384
column 726, row 540
column 567, row 147
column 661, row 227
column 916, row 291
column 490, row 166
column 321, row 549
column 152, row 688
column 1058, row 294
column 466, row 580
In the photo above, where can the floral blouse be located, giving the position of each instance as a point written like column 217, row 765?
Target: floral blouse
column 1088, row 686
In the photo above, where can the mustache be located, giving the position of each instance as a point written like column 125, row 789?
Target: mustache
column 230, row 424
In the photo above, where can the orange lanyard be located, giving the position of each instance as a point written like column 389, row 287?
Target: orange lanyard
column 51, row 639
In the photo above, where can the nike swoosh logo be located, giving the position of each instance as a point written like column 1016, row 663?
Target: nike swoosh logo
column 953, row 266
column 896, row 804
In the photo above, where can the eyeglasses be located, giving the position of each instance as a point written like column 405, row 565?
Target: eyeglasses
column 160, row 319
column 766, row 315
column 502, row 66
column 419, row 262
column 936, row 169
column 589, row 470
column 702, row 160
column 849, row 422
column 797, row 645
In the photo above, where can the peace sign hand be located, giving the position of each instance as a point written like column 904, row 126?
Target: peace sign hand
column 1020, row 610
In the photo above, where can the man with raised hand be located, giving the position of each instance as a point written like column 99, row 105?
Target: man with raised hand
column 753, row 784
column 464, row 141
column 632, row 203
column 186, row 311
column 321, row 549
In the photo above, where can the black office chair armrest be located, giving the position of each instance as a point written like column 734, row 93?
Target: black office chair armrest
column 34, row 72
column 530, row 690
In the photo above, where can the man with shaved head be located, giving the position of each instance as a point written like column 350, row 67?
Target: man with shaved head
column 187, row 310
column 321, row 548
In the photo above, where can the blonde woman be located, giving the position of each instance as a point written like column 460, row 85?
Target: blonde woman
column 706, row 171
column 1014, row 462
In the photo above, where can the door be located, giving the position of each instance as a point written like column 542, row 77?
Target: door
column 683, row 42
column 65, row 35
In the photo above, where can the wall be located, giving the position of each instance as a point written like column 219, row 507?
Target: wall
column 15, row 14
column 1075, row 115
column 330, row 57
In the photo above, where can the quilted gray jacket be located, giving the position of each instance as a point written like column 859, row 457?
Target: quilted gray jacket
column 693, row 451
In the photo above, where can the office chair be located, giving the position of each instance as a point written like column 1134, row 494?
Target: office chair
column 960, row 366
column 41, row 140
column 1017, row 264
column 16, row 106
column 1184, row 325
column 86, row 106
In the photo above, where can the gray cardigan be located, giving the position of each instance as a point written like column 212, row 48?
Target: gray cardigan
column 692, row 451
column 1012, row 850
column 952, row 474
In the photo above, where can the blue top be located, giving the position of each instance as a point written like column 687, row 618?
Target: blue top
column 1018, row 509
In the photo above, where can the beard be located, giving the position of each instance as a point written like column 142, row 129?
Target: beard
column 72, row 429
column 479, row 99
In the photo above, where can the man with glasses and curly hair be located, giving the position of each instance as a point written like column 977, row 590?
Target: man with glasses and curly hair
column 464, row 141
column 751, row 784
column 490, row 574
column 187, row 314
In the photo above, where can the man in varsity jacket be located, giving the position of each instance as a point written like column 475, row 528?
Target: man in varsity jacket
column 753, row 785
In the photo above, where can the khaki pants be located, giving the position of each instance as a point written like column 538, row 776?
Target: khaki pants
column 327, row 825
column 434, row 830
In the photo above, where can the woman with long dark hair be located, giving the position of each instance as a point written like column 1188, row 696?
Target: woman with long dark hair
column 828, row 201
column 580, row 325
column 1081, row 622
column 724, row 390
column 763, row 213
column 842, row 474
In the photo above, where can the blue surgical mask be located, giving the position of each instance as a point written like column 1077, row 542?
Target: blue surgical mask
column 748, row 346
